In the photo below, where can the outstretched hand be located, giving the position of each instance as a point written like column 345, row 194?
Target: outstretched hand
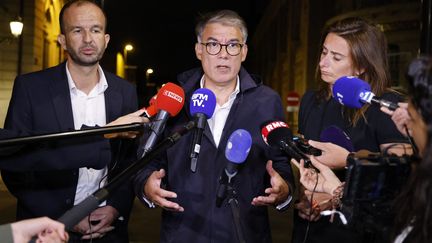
column 277, row 193
column 154, row 192
column 134, row 117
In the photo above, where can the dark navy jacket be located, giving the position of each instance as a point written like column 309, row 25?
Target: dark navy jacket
column 202, row 221
column 40, row 104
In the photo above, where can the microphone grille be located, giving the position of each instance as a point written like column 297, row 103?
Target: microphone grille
column 203, row 101
column 269, row 126
column 349, row 90
column 238, row 146
column 170, row 98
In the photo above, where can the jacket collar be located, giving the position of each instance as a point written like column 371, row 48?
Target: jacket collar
column 62, row 100
column 190, row 80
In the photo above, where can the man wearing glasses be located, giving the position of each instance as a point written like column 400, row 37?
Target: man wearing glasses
column 189, row 198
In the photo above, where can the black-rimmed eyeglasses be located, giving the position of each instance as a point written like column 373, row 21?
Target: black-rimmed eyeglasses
column 214, row 48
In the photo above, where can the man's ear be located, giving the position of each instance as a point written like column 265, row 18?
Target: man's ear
column 198, row 50
column 107, row 39
column 244, row 52
column 61, row 39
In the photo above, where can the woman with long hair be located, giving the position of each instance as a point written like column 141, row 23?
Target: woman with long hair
column 349, row 47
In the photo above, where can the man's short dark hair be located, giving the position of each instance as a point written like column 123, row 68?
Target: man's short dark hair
column 77, row 3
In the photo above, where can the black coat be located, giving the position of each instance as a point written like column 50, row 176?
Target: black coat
column 202, row 220
column 41, row 103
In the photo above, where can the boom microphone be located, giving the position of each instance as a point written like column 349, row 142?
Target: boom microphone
column 354, row 93
column 202, row 106
column 236, row 152
column 169, row 102
column 278, row 135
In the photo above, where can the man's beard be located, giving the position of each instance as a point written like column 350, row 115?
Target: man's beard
column 80, row 61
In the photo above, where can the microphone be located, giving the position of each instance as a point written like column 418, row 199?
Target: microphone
column 151, row 110
column 335, row 135
column 202, row 106
column 353, row 92
column 169, row 102
column 278, row 135
column 236, row 152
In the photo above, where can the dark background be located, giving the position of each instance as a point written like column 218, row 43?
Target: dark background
column 162, row 32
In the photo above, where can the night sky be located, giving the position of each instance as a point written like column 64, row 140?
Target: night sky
column 162, row 32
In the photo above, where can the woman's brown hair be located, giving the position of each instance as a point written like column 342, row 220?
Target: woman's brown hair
column 368, row 49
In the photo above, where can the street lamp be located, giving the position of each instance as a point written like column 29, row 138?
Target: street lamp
column 16, row 27
column 148, row 72
column 127, row 48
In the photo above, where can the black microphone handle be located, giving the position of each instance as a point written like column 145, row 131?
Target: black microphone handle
column 201, row 121
column 390, row 105
column 157, row 128
column 292, row 150
column 81, row 210
column 92, row 131
column 225, row 180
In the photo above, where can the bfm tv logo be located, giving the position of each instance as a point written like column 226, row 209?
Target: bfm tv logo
column 198, row 99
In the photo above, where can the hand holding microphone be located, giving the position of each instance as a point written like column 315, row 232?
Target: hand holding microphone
column 327, row 180
column 335, row 146
column 134, row 117
column 277, row 134
column 169, row 102
column 151, row 110
column 354, row 93
column 333, row 155
column 400, row 117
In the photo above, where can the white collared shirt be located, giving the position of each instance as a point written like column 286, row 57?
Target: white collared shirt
column 217, row 122
column 88, row 110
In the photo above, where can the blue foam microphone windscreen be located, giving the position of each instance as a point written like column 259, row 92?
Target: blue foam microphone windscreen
column 238, row 146
column 203, row 101
column 352, row 92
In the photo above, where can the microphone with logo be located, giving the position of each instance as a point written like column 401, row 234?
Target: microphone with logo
column 354, row 93
column 236, row 152
column 202, row 106
column 169, row 102
column 278, row 135
column 151, row 110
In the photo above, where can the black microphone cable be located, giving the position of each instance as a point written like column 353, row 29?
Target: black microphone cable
column 311, row 206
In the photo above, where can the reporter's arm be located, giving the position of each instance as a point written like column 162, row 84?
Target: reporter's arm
column 325, row 181
column 44, row 227
column 332, row 155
